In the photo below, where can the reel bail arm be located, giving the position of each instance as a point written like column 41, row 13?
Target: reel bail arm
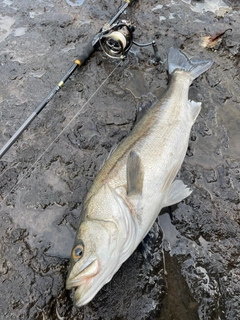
column 117, row 40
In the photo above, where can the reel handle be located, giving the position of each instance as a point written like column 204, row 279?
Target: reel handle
column 156, row 53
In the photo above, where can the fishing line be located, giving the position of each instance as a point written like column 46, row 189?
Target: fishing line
column 57, row 137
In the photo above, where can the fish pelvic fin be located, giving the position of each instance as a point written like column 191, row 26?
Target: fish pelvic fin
column 177, row 60
column 134, row 174
column 177, row 192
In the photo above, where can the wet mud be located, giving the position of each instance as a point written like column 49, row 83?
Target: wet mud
column 188, row 267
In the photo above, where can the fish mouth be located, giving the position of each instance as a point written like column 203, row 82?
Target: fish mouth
column 83, row 282
column 85, row 274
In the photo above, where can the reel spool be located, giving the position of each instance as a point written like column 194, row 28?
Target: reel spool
column 117, row 40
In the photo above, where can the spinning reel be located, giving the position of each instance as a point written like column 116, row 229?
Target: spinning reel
column 117, row 40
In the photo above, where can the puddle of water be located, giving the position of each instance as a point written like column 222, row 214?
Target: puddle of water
column 7, row 2
column 162, row 18
column 5, row 26
column 178, row 303
column 38, row 73
column 75, row 3
column 215, row 6
column 170, row 233
column 157, row 8
column 200, row 282
column 70, row 46
column 172, row 16
column 34, row 14
column 19, row 32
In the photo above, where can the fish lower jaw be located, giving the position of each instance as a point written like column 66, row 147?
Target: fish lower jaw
column 83, row 295
column 82, row 291
column 77, row 283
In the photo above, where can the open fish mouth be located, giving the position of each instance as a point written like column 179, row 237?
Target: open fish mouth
column 86, row 272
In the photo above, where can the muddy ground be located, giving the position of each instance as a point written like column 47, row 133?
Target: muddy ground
column 46, row 174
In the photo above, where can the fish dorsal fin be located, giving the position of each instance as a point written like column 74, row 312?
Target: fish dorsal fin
column 134, row 174
column 195, row 108
column 177, row 192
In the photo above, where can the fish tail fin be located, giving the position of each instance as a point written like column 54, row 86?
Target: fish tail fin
column 178, row 60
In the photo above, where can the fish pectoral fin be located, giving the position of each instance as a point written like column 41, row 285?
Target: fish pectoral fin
column 195, row 108
column 177, row 192
column 134, row 174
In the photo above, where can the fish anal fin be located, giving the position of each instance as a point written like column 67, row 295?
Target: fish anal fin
column 170, row 177
column 177, row 192
column 195, row 108
column 134, row 174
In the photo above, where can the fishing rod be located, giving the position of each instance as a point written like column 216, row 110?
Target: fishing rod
column 115, row 38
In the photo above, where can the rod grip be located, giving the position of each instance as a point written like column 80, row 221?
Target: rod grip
column 86, row 53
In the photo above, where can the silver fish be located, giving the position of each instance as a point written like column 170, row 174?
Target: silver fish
column 135, row 183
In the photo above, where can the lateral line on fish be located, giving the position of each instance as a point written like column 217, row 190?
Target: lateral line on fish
column 129, row 142
column 63, row 130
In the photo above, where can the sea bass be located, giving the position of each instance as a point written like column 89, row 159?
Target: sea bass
column 135, row 183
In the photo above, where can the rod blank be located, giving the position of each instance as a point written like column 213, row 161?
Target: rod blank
column 85, row 55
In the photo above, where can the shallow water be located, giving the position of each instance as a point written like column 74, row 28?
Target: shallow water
column 5, row 27
column 215, row 6
column 75, row 2
column 188, row 266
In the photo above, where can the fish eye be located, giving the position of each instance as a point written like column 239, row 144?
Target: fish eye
column 77, row 252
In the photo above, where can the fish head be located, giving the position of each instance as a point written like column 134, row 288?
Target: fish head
column 93, row 259
column 103, row 242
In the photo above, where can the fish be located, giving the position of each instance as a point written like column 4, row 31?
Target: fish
column 135, row 183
